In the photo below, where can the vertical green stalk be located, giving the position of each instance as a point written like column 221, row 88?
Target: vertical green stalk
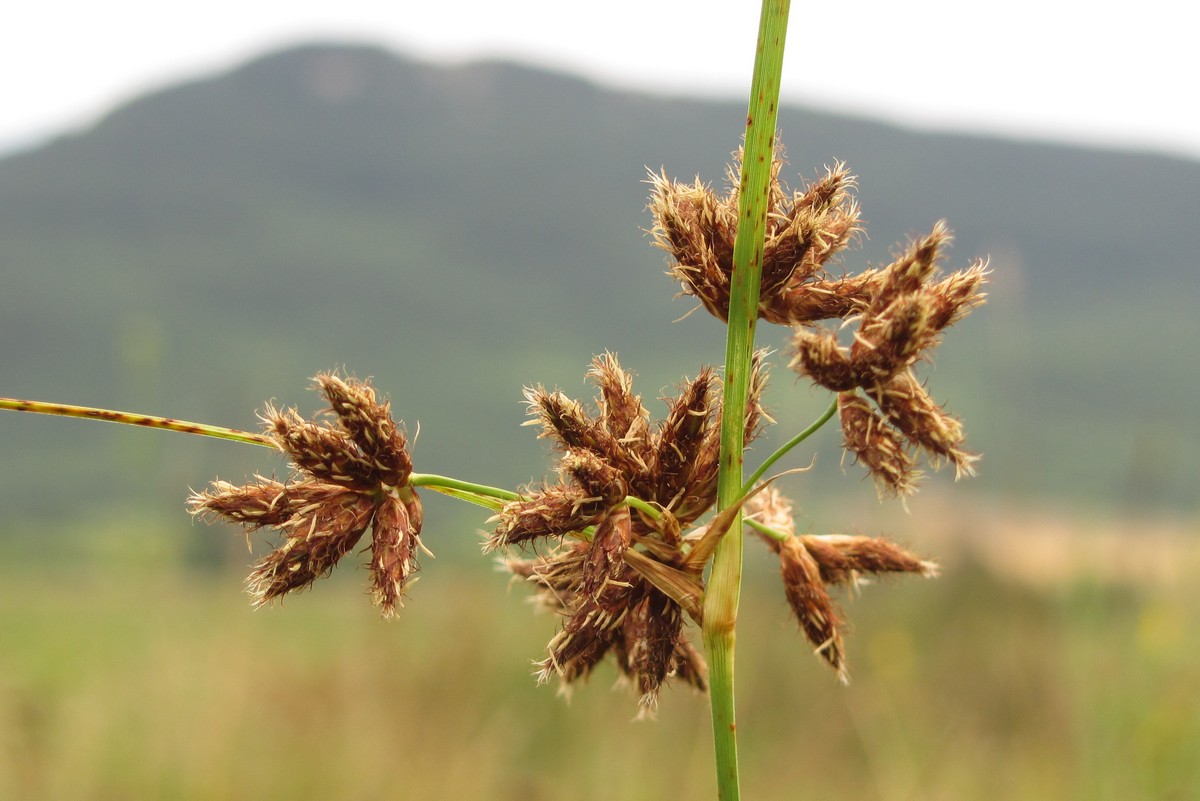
column 721, row 597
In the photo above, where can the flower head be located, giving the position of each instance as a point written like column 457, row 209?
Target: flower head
column 809, row 565
column 351, row 475
column 621, row 577
column 886, row 412
column 804, row 231
column 900, row 310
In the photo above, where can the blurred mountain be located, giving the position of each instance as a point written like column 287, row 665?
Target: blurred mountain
column 460, row 232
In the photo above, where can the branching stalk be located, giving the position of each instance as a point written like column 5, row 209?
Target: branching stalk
column 131, row 419
column 815, row 426
column 721, row 600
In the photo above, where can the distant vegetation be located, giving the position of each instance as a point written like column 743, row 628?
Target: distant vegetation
column 213, row 245
column 964, row 689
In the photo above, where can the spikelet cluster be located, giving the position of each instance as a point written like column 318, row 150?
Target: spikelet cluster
column 620, row 578
column 351, row 475
column 885, row 411
column 898, row 312
column 810, row 565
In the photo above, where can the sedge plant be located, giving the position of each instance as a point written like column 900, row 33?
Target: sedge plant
column 638, row 540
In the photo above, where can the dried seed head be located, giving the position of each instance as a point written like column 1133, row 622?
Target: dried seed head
column 351, row 476
column 803, row 231
column 810, row 563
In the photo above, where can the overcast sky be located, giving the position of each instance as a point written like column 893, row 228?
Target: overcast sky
column 1051, row 69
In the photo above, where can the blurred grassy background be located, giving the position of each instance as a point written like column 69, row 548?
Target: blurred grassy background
column 461, row 232
column 130, row 674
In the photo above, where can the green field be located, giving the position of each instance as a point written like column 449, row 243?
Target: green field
column 153, row 681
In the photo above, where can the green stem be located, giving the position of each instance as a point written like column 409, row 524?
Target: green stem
column 791, row 443
column 131, row 419
column 775, row 534
column 480, row 494
column 722, row 594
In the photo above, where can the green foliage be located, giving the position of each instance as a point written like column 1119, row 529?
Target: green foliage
column 149, row 682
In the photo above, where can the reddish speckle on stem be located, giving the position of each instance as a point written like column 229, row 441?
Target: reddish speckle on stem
column 749, row 120
column 732, row 726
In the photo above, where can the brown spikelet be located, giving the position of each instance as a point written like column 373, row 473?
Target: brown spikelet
column 912, row 270
column 369, row 425
column 957, row 294
column 554, row 511
column 820, row 358
column 311, row 551
column 877, row 445
column 605, row 562
column 650, row 641
column 621, row 410
column 825, row 299
column 677, row 442
column 814, row 609
column 394, row 544
column 326, row 453
column 908, row 406
column 843, row 559
column 892, row 339
column 263, row 503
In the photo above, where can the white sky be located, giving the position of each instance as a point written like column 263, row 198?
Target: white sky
column 1115, row 74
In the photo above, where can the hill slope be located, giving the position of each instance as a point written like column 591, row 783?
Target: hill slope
column 460, row 232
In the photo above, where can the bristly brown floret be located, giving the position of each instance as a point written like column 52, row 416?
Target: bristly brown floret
column 352, row 474
column 809, row 564
column 625, row 587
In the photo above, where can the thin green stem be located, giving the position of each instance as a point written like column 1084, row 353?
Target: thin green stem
column 787, row 446
column 651, row 511
column 724, row 588
column 131, row 419
column 773, row 533
column 480, row 494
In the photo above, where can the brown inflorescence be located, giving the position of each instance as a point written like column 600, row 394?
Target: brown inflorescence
column 620, row 577
column 900, row 310
column 804, row 230
column 351, row 476
column 810, row 564
column 886, row 412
